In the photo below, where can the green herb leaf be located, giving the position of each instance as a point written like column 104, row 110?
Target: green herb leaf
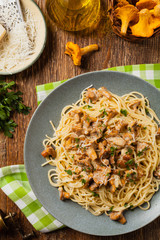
column 146, row 110
column 83, row 181
column 104, row 113
column 111, row 209
column 131, row 180
column 69, row 172
column 87, row 106
column 88, row 120
column 130, row 162
column 124, row 112
column 10, row 103
column 76, row 140
column 113, row 149
column 128, row 168
column 136, row 165
column 125, row 205
column 131, row 206
column 141, row 152
column 95, row 194
column 130, row 150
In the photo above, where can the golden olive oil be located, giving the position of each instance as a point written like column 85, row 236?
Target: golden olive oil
column 74, row 15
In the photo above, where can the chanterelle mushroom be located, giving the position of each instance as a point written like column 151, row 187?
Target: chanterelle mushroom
column 155, row 18
column 143, row 28
column 122, row 3
column 156, row 11
column 49, row 151
column 149, row 4
column 126, row 14
column 76, row 53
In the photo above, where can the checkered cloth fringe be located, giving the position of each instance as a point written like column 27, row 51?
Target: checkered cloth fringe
column 13, row 179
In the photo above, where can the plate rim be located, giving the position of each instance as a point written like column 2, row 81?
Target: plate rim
column 41, row 104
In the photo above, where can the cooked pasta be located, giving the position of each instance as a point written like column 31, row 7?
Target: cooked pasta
column 106, row 152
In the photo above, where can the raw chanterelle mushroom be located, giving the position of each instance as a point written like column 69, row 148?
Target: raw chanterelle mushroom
column 149, row 4
column 155, row 18
column 143, row 28
column 126, row 14
column 122, row 3
column 76, row 53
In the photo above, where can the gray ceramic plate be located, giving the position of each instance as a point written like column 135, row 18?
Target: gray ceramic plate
column 68, row 212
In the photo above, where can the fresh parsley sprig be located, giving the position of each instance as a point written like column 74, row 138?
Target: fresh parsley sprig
column 10, row 102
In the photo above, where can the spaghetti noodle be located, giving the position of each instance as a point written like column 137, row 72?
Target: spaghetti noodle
column 107, row 152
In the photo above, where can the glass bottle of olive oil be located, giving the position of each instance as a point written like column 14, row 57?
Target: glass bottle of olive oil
column 74, row 15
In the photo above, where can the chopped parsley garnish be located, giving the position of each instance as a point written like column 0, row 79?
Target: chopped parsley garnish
column 130, row 162
column 77, row 140
column 95, row 194
column 141, row 152
column 69, row 172
column 124, row 112
column 107, row 175
column 146, row 110
column 104, row 125
column 129, row 129
column 113, row 149
column 129, row 151
column 83, row 181
column 128, row 175
column 77, row 146
column 131, row 180
column 73, row 157
column 111, row 209
column 88, row 120
column 131, row 206
column 144, row 127
column 125, row 205
column 87, row 106
column 104, row 113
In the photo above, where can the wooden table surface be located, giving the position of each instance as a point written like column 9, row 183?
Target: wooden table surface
column 54, row 65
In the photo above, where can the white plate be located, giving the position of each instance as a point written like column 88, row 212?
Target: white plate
column 40, row 38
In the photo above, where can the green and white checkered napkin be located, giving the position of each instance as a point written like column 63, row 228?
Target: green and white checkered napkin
column 13, row 179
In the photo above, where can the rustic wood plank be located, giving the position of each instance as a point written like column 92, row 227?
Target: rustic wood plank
column 54, row 65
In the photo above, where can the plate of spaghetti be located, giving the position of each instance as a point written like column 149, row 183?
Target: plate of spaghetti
column 97, row 152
